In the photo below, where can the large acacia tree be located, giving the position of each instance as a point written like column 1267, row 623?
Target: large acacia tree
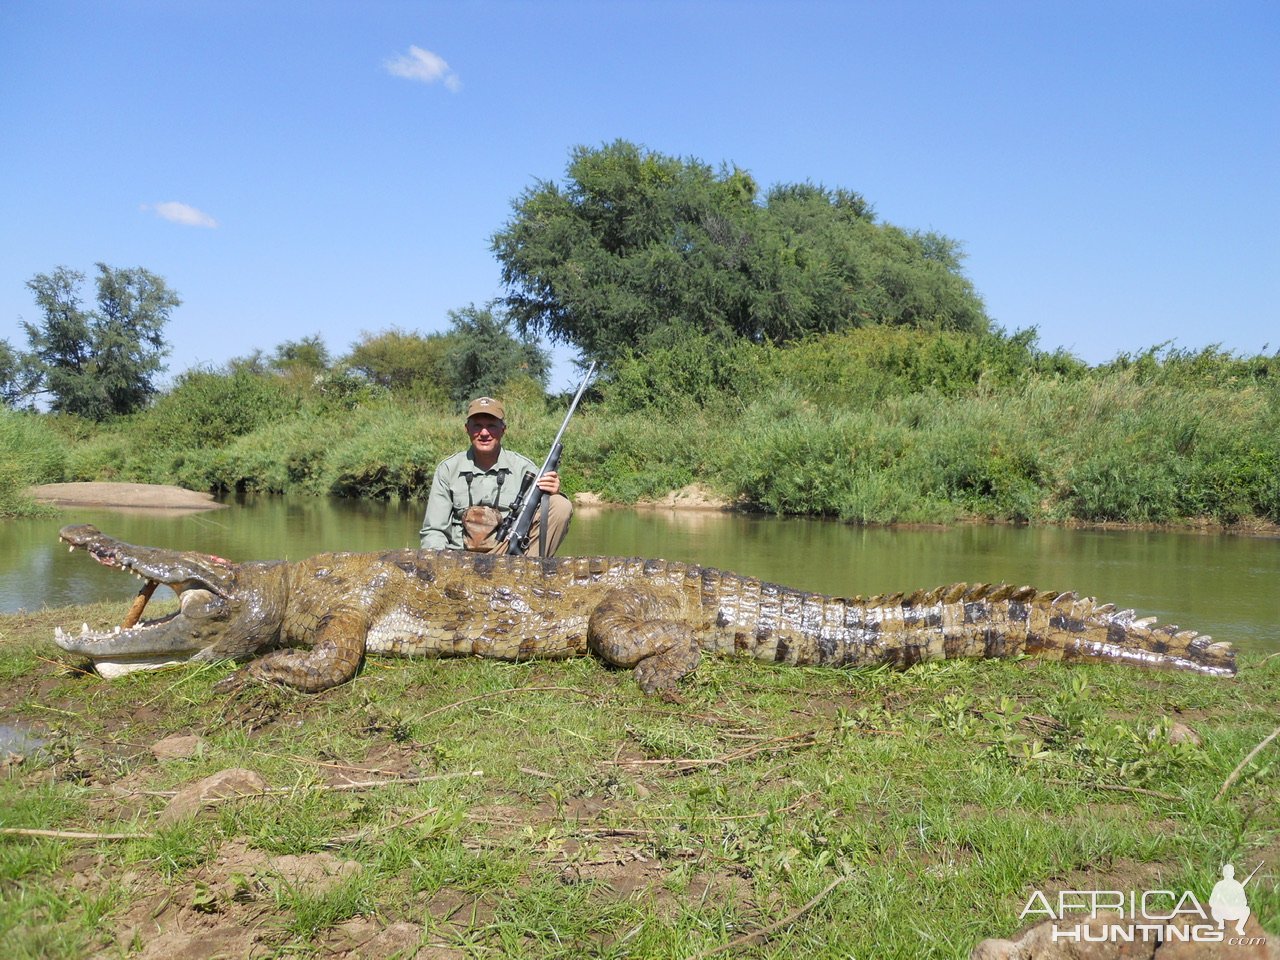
column 98, row 363
column 635, row 244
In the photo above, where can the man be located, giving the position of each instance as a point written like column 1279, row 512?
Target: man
column 473, row 491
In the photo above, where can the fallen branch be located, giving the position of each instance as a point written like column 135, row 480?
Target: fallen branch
column 339, row 787
column 72, row 834
column 1245, row 762
column 321, row 763
column 763, row 932
column 758, row 815
column 792, row 741
column 1119, row 788
column 374, row 831
column 370, row 784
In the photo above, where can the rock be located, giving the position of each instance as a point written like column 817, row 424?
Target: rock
column 234, row 782
column 177, row 747
column 1177, row 733
column 1181, row 733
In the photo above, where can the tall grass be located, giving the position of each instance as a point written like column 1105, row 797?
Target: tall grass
column 31, row 452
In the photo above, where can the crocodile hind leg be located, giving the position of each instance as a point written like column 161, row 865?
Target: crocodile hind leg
column 645, row 629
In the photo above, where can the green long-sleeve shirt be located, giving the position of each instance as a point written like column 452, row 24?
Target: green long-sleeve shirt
column 451, row 494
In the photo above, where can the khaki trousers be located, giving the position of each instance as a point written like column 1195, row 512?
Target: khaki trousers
column 559, row 513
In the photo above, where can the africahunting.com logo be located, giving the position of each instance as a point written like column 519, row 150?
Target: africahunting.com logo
column 1149, row 916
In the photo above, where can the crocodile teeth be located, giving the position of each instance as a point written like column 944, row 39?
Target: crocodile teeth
column 84, row 628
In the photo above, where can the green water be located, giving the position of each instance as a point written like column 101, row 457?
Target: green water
column 1227, row 586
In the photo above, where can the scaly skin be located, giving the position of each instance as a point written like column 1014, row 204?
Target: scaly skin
column 308, row 625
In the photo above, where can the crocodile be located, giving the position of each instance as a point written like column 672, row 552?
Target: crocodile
column 309, row 624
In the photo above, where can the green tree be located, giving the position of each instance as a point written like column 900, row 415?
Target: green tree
column 14, row 377
column 636, row 242
column 403, row 362
column 485, row 354
column 306, row 356
column 99, row 363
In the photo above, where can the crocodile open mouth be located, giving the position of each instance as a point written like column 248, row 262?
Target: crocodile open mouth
column 135, row 644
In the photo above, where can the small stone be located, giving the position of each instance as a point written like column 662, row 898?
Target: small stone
column 1181, row 733
column 178, row 747
column 234, row 782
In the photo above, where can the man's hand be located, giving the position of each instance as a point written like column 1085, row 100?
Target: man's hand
column 549, row 483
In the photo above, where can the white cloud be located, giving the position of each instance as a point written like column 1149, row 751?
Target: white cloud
column 182, row 213
column 425, row 66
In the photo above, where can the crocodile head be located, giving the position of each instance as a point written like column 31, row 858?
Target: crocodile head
column 227, row 611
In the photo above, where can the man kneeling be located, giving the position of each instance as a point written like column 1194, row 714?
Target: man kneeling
column 473, row 492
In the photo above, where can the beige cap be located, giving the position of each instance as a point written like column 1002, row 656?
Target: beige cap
column 486, row 405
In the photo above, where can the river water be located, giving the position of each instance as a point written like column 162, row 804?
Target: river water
column 1227, row 586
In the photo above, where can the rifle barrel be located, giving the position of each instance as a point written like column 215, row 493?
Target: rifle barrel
column 519, row 535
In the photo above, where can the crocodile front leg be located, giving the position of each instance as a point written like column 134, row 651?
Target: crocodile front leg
column 646, row 629
column 337, row 647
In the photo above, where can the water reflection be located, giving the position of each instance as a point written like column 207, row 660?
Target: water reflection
column 1217, row 584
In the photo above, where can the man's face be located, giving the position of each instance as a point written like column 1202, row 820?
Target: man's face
column 485, row 432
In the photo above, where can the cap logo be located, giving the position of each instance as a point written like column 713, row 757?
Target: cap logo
column 486, row 406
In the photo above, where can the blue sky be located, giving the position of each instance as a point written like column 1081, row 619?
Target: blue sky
column 1111, row 168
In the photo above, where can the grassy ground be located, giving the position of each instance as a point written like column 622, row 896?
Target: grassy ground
column 456, row 809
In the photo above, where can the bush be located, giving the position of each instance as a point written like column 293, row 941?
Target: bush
column 633, row 457
column 678, row 373
column 209, row 409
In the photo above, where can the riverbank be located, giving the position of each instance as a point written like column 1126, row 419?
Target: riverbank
column 548, row 809
column 123, row 496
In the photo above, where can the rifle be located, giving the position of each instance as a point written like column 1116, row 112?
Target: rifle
column 516, row 533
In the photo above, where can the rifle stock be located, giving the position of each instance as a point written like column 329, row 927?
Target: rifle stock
column 518, row 536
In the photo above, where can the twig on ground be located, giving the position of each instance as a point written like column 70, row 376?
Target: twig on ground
column 1118, row 787
column 758, row 815
column 340, row 787
column 321, row 763
column 1245, row 762
column 791, row 741
column 763, row 932
column 72, row 834
column 374, row 831
column 49, row 709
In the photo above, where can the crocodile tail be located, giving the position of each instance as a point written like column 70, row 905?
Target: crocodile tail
column 985, row 620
